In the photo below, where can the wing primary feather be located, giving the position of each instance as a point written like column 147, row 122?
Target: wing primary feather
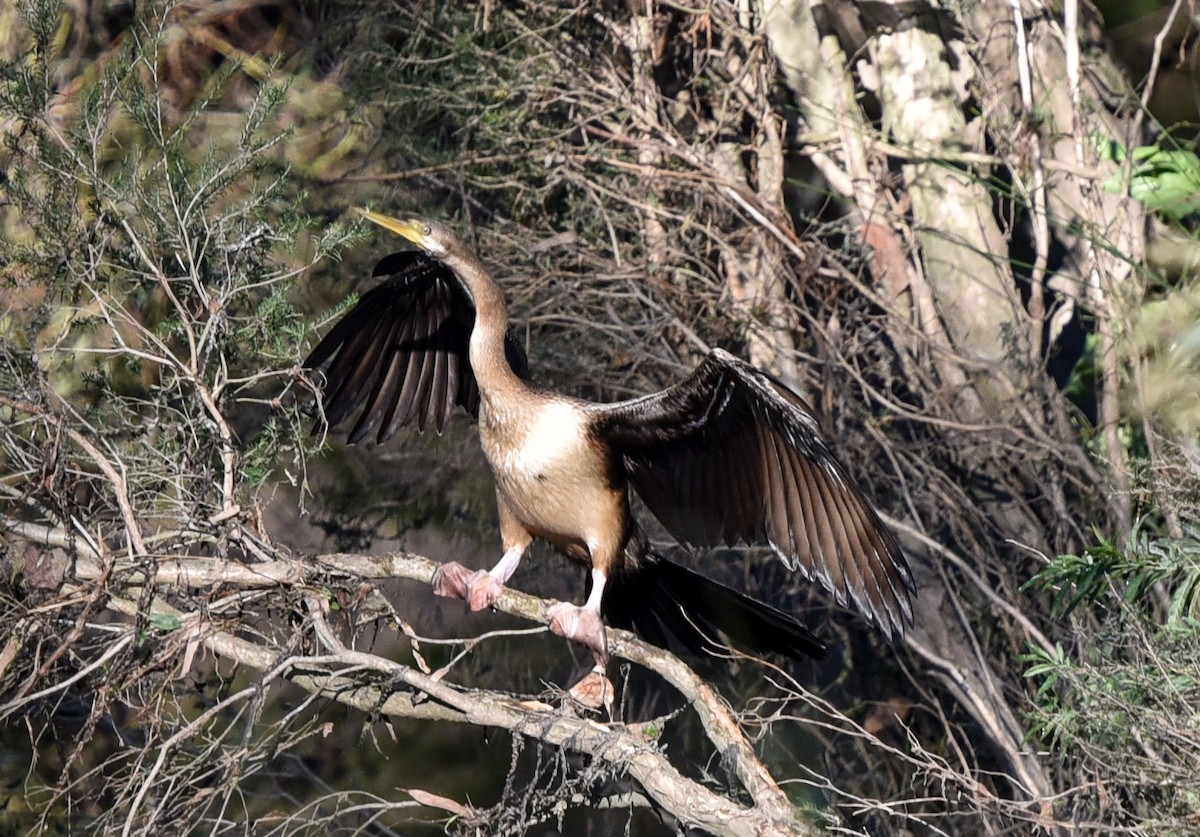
column 714, row 512
column 348, row 353
column 350, row 324
column 451, row 396
column 679, row 506
column 853, row 554
column 812, row 535
column 793, row 495
column 376, row 403
column 777, row 527
column 876, row 560
column 389, row 395
column 401, row 389
column 405, row 410
column 362, row 361
column 720, row 486
column 841, row 556
column 807, row 555
column 441, row 370
column 437, row 394
column 427, row 369
column 859, row 534
column 886, row 565
column 751, row 489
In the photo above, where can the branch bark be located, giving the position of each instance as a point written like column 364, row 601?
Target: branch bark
column 332, row 675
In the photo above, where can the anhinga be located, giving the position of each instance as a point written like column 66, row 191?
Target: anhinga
column 729, row 454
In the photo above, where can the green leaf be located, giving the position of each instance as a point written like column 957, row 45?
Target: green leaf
column 1165, row 181
column 165, row 621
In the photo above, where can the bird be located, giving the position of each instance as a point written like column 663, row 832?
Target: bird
column 727, row 455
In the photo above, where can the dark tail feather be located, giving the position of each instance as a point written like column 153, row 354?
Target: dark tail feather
column 664, row 599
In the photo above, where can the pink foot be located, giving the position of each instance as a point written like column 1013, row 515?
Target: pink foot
column 594, row 691
column 451, row 580
column 581, row 624
column 483, row 589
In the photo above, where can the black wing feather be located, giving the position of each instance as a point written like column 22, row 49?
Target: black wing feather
column 733, row 454
column 403, row 352
column 387, row 379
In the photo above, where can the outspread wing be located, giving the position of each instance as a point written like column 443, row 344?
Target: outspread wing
column 731, row 454
column 402, row 353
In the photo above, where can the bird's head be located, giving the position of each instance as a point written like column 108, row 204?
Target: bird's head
column 430, row 236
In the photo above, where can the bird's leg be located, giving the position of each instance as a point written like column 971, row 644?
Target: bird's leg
column 583, row 624
column 479, row 588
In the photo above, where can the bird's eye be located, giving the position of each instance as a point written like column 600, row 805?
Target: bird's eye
column 428, row 230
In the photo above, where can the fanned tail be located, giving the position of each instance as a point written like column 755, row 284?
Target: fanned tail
column 664, row 600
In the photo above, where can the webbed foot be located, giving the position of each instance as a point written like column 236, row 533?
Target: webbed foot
column 451, row 580
column 581, row 624
column 594, row 691
column 483, row 589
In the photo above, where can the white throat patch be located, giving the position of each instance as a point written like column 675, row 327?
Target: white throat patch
column 556, row 434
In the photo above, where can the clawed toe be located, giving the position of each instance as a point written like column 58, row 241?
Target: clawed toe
column 582, row 625
column 451, row 580
column 483, row 589
column 594, row 691
column 478, row 588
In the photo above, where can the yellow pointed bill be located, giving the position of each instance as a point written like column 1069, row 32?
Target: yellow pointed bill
column 410, row 229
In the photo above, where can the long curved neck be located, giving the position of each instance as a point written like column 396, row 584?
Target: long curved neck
column 492, row 370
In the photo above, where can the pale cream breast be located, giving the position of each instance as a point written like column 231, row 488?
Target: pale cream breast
column 553, row 479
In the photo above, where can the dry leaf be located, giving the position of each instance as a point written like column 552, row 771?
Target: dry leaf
column 432, row 800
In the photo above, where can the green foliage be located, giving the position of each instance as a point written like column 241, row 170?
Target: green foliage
column 1149, row 571
column 157, row 252
column 1165, row 180
column 1126, row 694
column 152, row 238
column 165, row 621
column 1078, row 578
column 1164, row 339
column 1164, row 350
